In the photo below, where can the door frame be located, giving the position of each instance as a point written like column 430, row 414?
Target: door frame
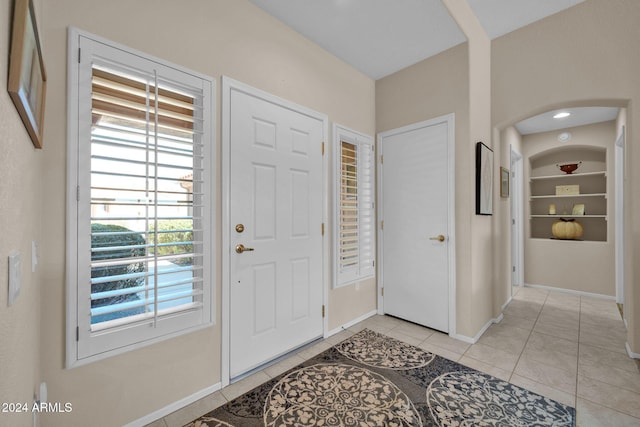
column 229, row 85
column 517, row 206
column 449, row 119
column 620, row 172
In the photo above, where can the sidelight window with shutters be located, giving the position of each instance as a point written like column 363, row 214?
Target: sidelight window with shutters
column 354, row 214
column 139, row 246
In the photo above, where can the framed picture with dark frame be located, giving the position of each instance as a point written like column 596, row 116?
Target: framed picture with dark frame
column 27, row 77
column 484, row 179
column 504, row 182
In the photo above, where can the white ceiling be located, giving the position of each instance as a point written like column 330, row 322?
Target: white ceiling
column 579, row 116
column 380, row 37
column 499, row 17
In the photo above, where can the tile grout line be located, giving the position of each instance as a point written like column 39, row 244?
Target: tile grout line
column 528, row 337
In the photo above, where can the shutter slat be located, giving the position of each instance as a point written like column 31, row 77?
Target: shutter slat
column 143, row 303
column 143, row 288
column 145, row 259
column 107, row 141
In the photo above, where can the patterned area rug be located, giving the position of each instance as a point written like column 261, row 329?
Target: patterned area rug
column 374, row 380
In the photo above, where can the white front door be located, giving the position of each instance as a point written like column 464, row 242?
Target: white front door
column 276, row 212
column 415, row 209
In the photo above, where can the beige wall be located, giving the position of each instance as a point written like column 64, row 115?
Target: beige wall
column 570, row 264
column 348, row 303
column 584, row 54
column 21, row 220
column 479, row 288
column 214, row 37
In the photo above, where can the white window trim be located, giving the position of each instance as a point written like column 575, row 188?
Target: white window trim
column 74, row 180
column 342, row 133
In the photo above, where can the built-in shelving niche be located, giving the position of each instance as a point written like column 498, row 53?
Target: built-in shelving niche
column 591, row 176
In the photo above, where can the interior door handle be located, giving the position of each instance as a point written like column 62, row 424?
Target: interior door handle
column 439, row 238
column 240, row 248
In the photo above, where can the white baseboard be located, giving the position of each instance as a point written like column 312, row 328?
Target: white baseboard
column 479, row 334
column 631, row 353
column 351, row 323
column 172, row 407
column 506, row 303
column 570, row 291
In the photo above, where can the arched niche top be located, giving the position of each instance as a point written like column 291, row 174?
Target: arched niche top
column 590, row 159
column 604, row 102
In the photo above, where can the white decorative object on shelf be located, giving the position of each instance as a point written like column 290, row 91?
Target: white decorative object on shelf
column 567, row 229
column 567, row 190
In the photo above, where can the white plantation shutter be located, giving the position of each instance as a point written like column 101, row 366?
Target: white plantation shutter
column 354, row 213
column 348, row 226
column 366, row 201
column 143, row 158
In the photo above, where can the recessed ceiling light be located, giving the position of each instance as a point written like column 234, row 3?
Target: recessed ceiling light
column 561, row 115
column 564, row 136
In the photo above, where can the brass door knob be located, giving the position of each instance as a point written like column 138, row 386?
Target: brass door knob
column 240, row 248
column 439, row 238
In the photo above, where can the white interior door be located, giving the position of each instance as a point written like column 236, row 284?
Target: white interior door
column 275, row 211
column 416, row 234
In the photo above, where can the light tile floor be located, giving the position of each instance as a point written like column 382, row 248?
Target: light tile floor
column 570, row 348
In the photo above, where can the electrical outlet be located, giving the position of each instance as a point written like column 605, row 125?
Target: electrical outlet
column 14, row 276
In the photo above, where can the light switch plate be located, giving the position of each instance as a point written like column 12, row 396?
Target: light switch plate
column 14, row 276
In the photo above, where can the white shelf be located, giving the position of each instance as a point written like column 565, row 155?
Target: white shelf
column 567, row 241
column 569, row 216
column 569, row 175
column 562, row 196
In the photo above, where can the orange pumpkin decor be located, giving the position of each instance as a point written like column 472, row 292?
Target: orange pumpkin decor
column 567, row 229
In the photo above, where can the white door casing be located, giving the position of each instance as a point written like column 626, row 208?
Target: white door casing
column 619, row 150
column 517, row 220
column 417, row 206
column 275, row 181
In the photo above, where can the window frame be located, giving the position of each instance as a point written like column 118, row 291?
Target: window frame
column 362, row 142
column 83, row 346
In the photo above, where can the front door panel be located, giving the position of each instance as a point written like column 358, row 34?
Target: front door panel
column 276, row 194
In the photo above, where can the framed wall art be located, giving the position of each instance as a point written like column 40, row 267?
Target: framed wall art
column 27, row 77
column 484, row 179
column 504, row 182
